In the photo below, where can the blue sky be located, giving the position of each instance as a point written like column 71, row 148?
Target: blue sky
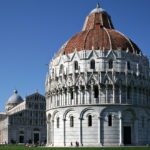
column 31, row 31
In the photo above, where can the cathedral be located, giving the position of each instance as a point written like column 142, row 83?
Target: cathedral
column 24, row 121
column 97, row 89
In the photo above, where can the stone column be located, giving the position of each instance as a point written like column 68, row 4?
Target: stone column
column 76, row 100
column 142, row 97
column 144, row 91
column 74, row 96
column 68, row 96
column 79, row 100
column 99, row 96
column 132, row 95
column 50, row 102
column 63, row 96
column 80, row 138
column 48, row 133
column 48, row 139
column 64, row 132
column 137, row 95
column 53, row 133
column 148, row 130
column 147, row 97
column 85, row 98
column 60, row 98
column 120, row 94
column 87, row 95
column 126, row 94
column 92, row 94
column 121, row 130
column 106, row 96
column 56, row 96
column 53, row 102
column 99, row 130
column 136, row 131
column 114, row 94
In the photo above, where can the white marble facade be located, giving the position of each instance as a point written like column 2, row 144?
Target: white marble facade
column 98, row 98
column 24, row 120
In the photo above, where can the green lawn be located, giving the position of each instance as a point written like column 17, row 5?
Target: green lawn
column 12, row 147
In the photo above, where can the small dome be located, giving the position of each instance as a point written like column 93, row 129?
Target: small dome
column 15, row 98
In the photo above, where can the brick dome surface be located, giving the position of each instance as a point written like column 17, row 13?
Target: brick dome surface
column 98, row 33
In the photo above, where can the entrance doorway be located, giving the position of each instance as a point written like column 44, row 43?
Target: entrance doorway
column 21, row 139
column 36, row 138
column 127, row 135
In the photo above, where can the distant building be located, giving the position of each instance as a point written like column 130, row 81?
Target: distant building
column 98, row 88
column 24, row 121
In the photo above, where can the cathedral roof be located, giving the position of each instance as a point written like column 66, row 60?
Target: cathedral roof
column 15, row 98
column 98, row 33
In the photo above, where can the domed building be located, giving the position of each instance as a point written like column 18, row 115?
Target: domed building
column 13, row 101
column 24, row 120
column 97, row 89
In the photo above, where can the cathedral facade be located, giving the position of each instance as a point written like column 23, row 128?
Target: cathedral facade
column 97, row 89
column 24, row 121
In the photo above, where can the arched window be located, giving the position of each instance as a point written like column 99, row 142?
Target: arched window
column 71, row 121
column 92, row 64
column 58, row 122
column 96, row 92
column 128, row 65
column 109, row 120
column 76, row 65
column 61, row 69
column 89, row 120
column 110, row 64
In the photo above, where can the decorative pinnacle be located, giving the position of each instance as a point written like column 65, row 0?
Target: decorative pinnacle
column 98, row 5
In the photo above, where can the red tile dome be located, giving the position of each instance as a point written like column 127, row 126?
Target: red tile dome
column 98, row 33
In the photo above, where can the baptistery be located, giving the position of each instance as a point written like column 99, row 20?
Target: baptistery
column 97, row 89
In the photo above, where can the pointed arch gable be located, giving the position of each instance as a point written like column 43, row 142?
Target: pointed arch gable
column 111, row 55
column 75, row 56
column 107, row 78
column 92, row 53
column 92, row 77
column 80, row 79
